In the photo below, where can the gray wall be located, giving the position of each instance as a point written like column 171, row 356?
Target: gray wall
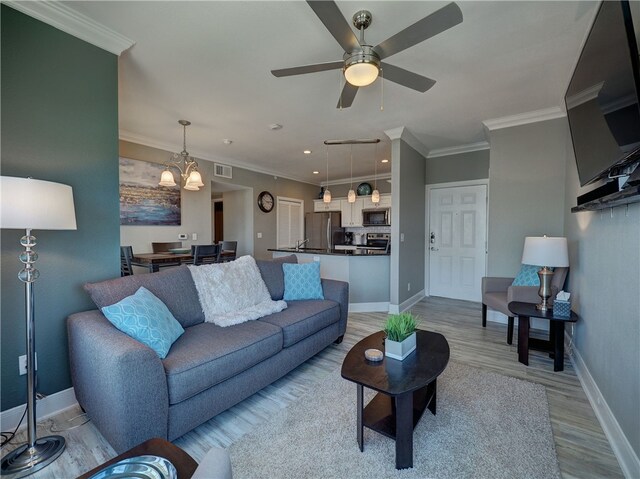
column 59, row 123
column 408, row 218
column 196, row 206
column 340, row 191
column 473, row 165
column 238, row 206
column 526, row 190
column 604, row 280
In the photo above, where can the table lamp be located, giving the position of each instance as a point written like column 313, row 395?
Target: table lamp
column 33, row 205
column 546, row 252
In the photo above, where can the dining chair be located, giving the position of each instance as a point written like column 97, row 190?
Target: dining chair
column 165, row 247
column 126, row 253
column 205, row 253
column 228, row 251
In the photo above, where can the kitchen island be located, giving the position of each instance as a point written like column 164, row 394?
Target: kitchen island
column 365, row 269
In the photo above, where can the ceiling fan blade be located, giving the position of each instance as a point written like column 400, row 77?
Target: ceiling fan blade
column 439, row 21
column 406, row 78
column 348, row 94
column 318, row 67
column 329, row 14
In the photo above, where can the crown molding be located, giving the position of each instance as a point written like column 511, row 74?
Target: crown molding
column 70, row 21
column 456, row 150
column 524, row 118
column 404, row 134
column 125, row 135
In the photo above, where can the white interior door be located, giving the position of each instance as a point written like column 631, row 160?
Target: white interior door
column 457, row 241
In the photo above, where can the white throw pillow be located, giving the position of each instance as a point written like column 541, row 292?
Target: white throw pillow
column 234, row 292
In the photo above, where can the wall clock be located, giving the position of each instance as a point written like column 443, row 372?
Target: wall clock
column 265, row 201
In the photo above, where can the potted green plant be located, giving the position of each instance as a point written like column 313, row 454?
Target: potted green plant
column 400, row 330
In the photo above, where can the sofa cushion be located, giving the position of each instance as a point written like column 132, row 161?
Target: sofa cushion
column 146, row 319
column 271, row 271
column 206, row 355
column 304, row 318
column 302, row 281
column 184, row 306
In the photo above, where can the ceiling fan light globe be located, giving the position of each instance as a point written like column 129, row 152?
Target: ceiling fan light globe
column 361, row 74
column 166, row 179
column 326, row 197
column 351, row 196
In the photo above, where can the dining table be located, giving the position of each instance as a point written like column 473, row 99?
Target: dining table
column 154, row 261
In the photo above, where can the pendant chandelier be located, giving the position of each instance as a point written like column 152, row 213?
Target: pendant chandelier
column 186, row 164
column 375, row 194
column 326, row 198
column 351, row 196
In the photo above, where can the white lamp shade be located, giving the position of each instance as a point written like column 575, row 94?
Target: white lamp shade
column 375, row 197
column 166, row 179
column 351, row 196
column 361, row 74
column 35, row 204
column 326, row 198
column 195, row 178
column 545, row 251
column 189, row 185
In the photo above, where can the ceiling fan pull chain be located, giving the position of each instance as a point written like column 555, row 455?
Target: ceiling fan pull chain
column 381, row 89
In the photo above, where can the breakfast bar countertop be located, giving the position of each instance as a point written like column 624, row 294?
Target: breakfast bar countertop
column 361, row 251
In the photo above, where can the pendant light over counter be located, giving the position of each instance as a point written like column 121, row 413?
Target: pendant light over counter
column 351, row 196
column 375, row 194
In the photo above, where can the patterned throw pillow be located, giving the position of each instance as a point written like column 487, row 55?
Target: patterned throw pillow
column 528, row 276
column 302, row 281
column 145, row 318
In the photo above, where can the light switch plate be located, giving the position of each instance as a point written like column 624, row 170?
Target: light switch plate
column 194, row 236
column 259, row 235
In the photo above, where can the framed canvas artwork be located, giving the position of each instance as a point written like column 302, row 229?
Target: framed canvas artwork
column 142, row 200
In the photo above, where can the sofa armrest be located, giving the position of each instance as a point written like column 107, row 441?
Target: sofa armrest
column 118, row 381
column 495, row 284
column 338, row 291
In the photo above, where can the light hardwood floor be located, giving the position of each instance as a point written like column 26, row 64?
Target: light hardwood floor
column 582, row 448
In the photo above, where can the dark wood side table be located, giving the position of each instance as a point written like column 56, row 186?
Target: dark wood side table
column 183, row 462
column 406, row 388
column 555, row 344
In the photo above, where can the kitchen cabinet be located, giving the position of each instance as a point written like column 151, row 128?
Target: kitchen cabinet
column 321, row 206
column 385, row 202
column 352, row 212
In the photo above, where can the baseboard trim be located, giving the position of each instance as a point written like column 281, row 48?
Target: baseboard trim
column 45, row 408
column 534, row 323
column 369, row 307
column 399, row 308
column 627, row 458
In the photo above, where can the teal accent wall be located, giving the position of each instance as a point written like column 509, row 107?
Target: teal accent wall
column 59, row 123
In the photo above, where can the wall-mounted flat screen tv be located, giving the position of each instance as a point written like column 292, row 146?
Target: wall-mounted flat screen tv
column 602, row 97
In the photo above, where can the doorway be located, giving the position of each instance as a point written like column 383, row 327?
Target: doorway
column 218, row 220
column 233, row 220
column 457, row 240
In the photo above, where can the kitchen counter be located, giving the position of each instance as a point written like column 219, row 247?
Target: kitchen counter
column 366, row 270
column 360, row 251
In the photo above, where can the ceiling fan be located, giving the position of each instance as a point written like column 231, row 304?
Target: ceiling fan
column 362, row 63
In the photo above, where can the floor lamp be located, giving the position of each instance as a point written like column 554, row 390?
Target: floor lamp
column 33, row 205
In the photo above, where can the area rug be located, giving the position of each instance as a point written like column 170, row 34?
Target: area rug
column 486, row 426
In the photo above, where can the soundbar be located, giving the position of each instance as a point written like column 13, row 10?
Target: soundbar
column 604, row 190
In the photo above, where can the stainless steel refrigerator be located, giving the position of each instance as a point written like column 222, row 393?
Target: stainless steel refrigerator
column 324, row 230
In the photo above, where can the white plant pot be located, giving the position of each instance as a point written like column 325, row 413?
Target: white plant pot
column 400, row 350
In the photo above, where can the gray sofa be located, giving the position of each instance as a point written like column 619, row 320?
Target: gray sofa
column 132, row 395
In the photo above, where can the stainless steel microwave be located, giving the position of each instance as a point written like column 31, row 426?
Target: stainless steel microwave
column 377, row 217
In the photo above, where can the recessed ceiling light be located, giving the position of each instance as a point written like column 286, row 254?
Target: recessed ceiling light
column 275, row 126
column 227, row 141
column 385, row 161
column 307, row 152
column 316, row 172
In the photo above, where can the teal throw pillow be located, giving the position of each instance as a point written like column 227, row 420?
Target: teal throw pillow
column 147, row 319
column 528, row 276
column 302, row 281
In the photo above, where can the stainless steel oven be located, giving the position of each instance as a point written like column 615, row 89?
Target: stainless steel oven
column 376, row 217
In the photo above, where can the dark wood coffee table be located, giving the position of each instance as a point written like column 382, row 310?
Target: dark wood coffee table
column 185, row 465
column 405, row 388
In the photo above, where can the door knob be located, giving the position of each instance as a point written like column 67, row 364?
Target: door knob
column 433, row 248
